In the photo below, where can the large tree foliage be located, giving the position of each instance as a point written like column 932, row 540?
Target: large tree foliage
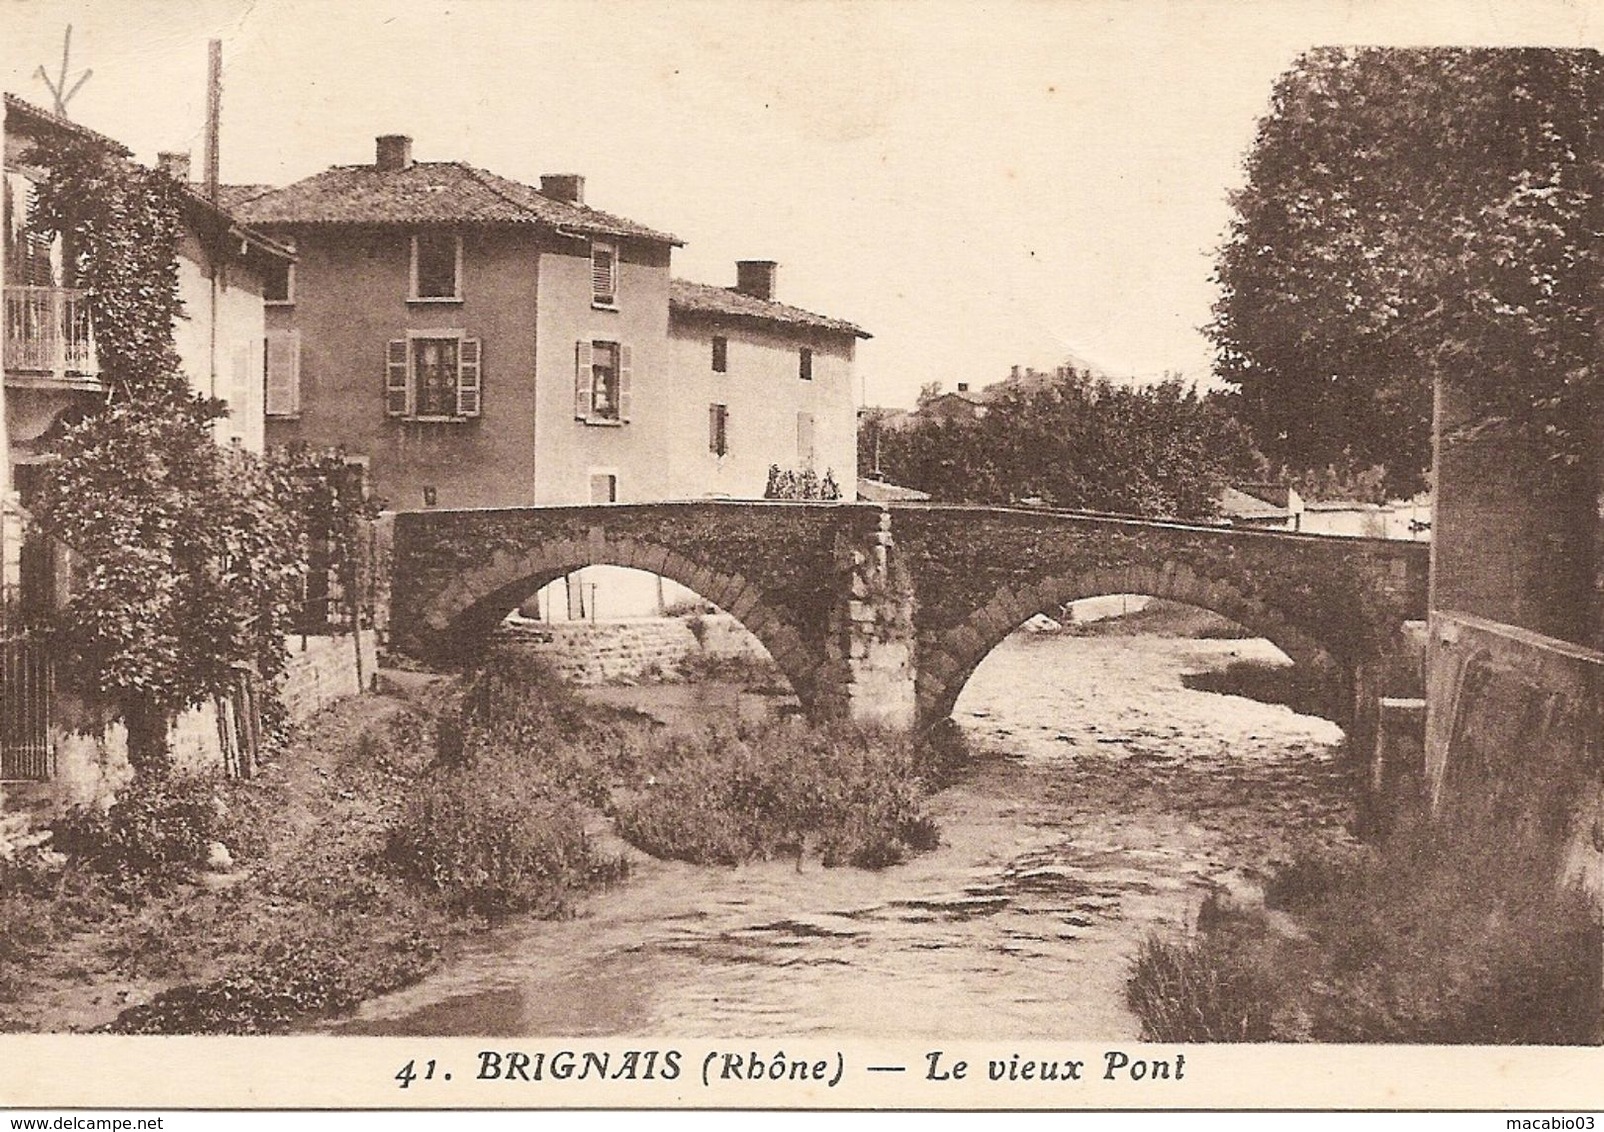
column 1410, row 213
column 187, row 554
column 1075, row 442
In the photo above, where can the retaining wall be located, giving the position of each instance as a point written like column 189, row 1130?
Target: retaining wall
column 585, row 652
column 91, row 747
column 1515, row 724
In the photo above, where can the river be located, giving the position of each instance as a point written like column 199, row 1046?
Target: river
column 1108, row 798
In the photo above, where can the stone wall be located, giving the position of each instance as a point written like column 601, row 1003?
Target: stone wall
column 640, row 648
column 325, row 670
column 1516, row 728
column 91, row 747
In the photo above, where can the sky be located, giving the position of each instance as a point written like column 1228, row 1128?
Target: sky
column 977, row 184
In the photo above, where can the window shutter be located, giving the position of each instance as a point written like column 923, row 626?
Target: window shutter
column 283, row 395
column 582, row 363
column 623, row 382
column 469, row 389
column 396, row 386
column 603, row 272
column 804, row 439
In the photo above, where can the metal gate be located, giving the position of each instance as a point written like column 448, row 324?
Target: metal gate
column 27, row 689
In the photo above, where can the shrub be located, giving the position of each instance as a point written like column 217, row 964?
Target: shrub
column 850, row 794
column 1212, row 988
column 317, row 967
column 1447, row 932
column 157, row 830
column 492, row 841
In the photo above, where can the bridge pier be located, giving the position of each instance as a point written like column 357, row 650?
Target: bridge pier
column 875, row 634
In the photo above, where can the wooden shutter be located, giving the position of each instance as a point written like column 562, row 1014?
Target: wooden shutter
column 396, row 386
column 469, row 385
column 603, row 272
column 582, row 364
column 804, row 439
column 717, row 429
column 283, row 393
column 623, row 382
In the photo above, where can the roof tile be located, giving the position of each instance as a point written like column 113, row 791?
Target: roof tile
column 703, row 298
column 430, row 192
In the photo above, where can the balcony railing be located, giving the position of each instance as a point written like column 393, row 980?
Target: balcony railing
column 47, row 335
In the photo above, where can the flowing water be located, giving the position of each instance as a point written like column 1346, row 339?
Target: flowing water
column 1109, row 798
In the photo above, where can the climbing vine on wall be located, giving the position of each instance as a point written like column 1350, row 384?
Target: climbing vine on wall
column 187, row 554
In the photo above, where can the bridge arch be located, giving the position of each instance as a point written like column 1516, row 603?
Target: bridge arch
column 949, row 658
column 458, row 621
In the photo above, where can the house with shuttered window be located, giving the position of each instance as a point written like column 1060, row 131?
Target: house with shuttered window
column 483, row 342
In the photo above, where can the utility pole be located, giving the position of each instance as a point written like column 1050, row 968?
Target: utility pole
column 58, row 87
column 214, row 112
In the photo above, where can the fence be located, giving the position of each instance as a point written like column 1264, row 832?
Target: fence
column 27, row 692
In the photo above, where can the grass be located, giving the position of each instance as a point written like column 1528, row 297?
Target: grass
column 1451, row 931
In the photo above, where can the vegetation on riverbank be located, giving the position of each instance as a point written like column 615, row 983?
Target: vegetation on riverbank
column 1443, row 932
column 389, row 830
column 850, row 794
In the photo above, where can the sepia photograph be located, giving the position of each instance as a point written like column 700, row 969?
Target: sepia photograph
column 802, row 554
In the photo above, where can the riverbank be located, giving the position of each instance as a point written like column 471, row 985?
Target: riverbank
column 394, row 827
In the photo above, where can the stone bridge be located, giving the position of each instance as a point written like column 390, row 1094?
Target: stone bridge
column 883, row 612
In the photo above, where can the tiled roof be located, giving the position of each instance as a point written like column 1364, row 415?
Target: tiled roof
column 702, row 298
column 430, row 192
column 218, row 212
column 40, row 118
column 232, row 196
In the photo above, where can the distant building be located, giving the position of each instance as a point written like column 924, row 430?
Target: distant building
column 1278, row 507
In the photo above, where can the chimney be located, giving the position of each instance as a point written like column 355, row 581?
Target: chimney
column 755, row 277
column 393, row 153
column 563, row 186
column 1013, row 373
column 175, row 165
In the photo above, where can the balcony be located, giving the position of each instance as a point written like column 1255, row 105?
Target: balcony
column 48, row 341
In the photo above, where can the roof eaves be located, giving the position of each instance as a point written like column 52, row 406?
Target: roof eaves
column 232, row 224
column 690, row 298
column 46, row 119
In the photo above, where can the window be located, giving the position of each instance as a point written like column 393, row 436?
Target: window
column 601, row 382
column 721, row 354
column 603, row 487
column 282, row 369
column 278, row 282
column 804, row 439
column 604, row 274
column 718, row 429
column 436, row 267
column 805, row 364
column 433, row 376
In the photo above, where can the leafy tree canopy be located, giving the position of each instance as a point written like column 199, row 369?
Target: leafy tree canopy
column 1410, row 213
column 188, row 555
column 1075, row 442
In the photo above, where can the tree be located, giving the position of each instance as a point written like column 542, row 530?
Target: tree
column 188, row 554
column 1409, row 213
column 1075, row 442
